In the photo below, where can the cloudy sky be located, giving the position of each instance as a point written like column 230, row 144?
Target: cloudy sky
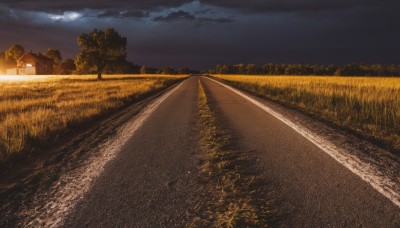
column 203, row 33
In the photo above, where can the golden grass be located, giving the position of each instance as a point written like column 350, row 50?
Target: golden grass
column 36, row 108
column 370, row 106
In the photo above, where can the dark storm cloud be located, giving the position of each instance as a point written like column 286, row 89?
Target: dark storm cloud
column 136, row 14
column 7, row 13
column 297, row 5
column 249, row 5
column 124, row 14
column 174, row 16
column 203, row 11
column 185, row 16
column 207, row 32
column 215, row 20
column 70, row 5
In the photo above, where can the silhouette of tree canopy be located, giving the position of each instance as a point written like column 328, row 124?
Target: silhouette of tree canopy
column 15, row 52
column 67, row 67
column 148, row 70
column 121, row 67
column 55, row 56
column 2, row 62
column 307, row 69
column 100, row 49
column 184, row 70
column 167, row 70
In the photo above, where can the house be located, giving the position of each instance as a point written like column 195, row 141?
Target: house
column 12, row 71
column 34, row 64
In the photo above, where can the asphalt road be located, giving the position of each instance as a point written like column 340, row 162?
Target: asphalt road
column 152, row 181
column 317, row 190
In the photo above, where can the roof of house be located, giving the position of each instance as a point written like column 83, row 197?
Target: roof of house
column 36, row 56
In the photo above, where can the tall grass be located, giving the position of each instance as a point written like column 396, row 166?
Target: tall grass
column 370, row 106
column 34, row 109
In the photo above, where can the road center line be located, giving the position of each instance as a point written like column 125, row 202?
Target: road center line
column 71, row 187
column 366, row 172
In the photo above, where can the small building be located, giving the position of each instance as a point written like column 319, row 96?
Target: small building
column 12, row 71
column 34, row 64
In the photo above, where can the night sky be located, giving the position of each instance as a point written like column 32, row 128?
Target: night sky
column 201, row 34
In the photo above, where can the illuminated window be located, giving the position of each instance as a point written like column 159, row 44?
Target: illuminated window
column 29, row 65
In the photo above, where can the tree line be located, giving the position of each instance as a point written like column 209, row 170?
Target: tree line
column 307, row 69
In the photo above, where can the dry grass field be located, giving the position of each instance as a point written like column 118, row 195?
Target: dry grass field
column 370, row 106
column 36, row 108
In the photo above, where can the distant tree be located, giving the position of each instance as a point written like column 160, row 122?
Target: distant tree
column 306, row 69
column 217, row 69
column 197, row 72
column 251, row 69
column 2, row 62
column 350, row 70
column 148, row 70
column 56, row 57
column 238, row 69
column 392, row 70
column 224, row 69
column 99, row 49
column 144, row 70
column 268, row 68
column 131, row 68
column 15, row 52
column 184, row 70
column 121, row 67
column 67, row 67
column 167, row 70
column 331, row 69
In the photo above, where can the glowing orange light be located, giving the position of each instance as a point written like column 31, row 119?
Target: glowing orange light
column 13, row 78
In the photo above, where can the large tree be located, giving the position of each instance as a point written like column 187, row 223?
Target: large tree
column 15, row 52
column 99, row 49
column 56, row 57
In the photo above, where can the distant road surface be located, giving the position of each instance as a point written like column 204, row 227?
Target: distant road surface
column 152, row 181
